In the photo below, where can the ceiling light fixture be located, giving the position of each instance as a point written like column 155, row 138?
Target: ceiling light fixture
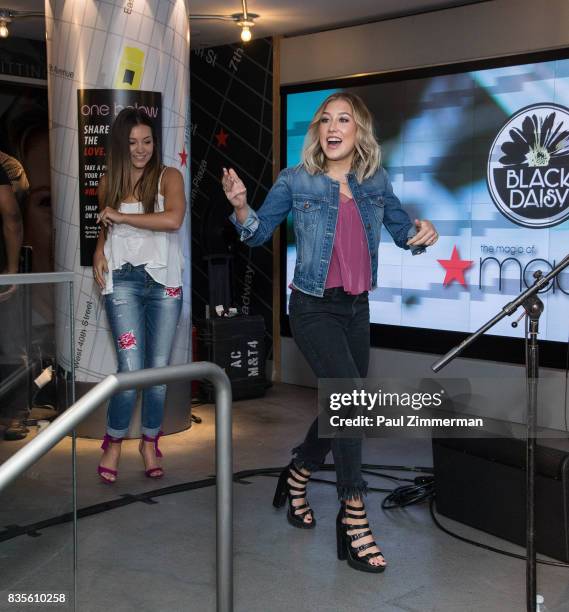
column 244, row 20
column 8, row 15
column 4, row 32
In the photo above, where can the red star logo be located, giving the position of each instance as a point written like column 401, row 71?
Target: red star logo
column 455, row 268
column 183, row 157
column 222, row 137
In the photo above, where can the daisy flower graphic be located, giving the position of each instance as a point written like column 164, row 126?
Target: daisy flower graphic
column 538, row 143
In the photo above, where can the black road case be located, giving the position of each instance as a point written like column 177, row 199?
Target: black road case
column 237, row 345
column 482, row 482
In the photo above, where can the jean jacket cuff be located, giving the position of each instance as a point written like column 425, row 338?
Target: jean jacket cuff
column 249, row 227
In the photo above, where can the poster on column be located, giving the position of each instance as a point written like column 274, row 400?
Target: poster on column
column 96, row 111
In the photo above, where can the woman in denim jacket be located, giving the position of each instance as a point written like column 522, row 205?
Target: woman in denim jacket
column 340, row 197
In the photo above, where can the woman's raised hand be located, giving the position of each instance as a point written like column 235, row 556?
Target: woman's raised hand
column 234, row 188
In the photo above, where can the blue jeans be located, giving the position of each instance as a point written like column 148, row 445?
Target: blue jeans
column 143, row 316
column 333, row 334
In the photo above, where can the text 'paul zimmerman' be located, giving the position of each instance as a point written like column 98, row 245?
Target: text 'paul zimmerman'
column 382, row 399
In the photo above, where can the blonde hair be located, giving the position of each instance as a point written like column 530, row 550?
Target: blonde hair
column 367, row 156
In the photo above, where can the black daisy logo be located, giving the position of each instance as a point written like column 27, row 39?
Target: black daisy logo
column 528, row 166
column 537, row 142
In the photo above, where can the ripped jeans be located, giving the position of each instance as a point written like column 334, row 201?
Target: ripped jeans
column 333, row 334
column 143, row 316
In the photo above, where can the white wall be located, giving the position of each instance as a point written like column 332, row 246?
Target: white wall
column 490, row 29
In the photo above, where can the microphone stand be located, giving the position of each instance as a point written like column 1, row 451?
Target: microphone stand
column 533, row 308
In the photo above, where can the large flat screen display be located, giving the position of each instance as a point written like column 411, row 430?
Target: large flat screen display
column 483, row 152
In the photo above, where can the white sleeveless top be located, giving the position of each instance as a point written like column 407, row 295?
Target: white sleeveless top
column 160, row 251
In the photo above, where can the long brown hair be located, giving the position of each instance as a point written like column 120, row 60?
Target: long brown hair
column 367, row 157
column 119, row 185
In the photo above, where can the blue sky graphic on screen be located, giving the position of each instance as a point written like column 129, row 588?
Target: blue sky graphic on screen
column 485, row 156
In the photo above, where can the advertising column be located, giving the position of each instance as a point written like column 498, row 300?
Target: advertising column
column 102, row 57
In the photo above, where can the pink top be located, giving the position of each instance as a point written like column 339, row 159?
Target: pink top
column 350, row 265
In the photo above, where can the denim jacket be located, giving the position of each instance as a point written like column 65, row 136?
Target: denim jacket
column 314, row 200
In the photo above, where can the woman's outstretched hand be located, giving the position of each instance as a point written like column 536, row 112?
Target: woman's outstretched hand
column 234, row 189
column 426, row 234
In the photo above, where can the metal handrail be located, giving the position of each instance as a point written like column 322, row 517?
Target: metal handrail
column 36, row 278
column 66, row 422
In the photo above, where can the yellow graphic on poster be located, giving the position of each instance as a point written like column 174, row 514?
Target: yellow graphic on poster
column 131, row 67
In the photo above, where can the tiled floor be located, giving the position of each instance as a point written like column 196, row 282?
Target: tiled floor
column 161, row 556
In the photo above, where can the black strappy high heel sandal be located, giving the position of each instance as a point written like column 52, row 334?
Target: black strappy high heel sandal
column 344, row 540
column 296, row 489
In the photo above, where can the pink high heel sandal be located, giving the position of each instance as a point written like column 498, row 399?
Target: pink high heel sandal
column 105, row 470
column 155, row 472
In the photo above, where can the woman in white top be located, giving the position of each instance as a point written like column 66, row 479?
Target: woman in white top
column 138, row 265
